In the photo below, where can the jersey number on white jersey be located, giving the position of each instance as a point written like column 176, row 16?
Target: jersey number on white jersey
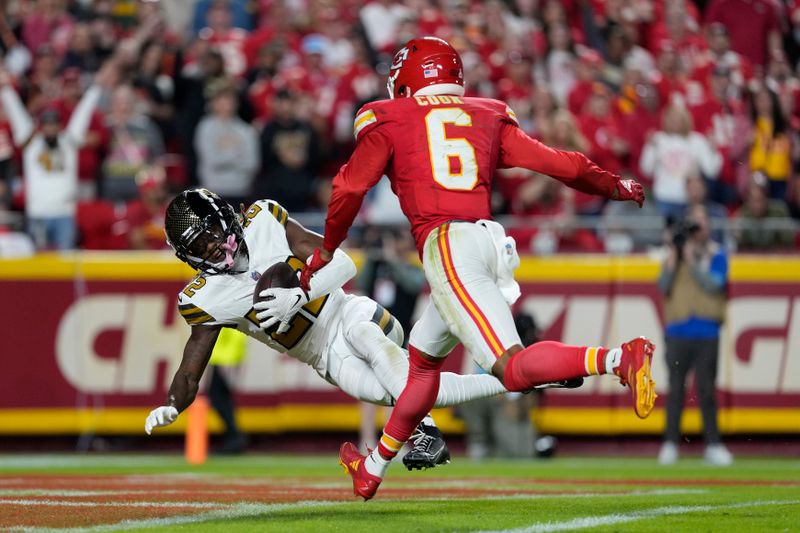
column 301, row 323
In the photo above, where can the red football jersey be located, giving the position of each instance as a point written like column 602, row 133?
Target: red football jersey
column 440, row 154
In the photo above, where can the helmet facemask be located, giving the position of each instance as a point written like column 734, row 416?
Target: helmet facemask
column 205, row 232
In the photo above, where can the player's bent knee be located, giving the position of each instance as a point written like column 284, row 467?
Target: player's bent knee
column 498, row 370
column 436, row 358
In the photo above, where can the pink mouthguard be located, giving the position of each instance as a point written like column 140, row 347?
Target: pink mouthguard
column 230, row 246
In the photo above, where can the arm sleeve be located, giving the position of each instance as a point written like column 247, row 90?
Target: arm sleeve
column 716, row 279
column 359, row 175
column 18, row 117
column 82, row 116
column 571, row 168
column 332, row 276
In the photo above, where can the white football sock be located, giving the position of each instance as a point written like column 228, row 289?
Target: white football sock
column 375, row 464
column 455, row 388
column 613, row 359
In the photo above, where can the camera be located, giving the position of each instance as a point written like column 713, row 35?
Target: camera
column 681, row 231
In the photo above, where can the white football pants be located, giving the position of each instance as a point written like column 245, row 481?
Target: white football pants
column 461, row 265
column 367, row 362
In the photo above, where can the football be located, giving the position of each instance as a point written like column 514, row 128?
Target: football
column 278, row 275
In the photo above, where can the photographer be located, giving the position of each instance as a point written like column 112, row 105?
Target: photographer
column 694, row 278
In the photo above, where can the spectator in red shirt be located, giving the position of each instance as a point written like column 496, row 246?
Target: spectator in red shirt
column 224, row 37
column 588, row 73
column 48, row 22
column 609, row 148
column 678, row 30
column 754, row 26
column 673, row 81
column 145, row 215
column 719, row 54
column 565, row 135
column 639, row 110
column 543, row 105
column 516, row 87
column 722, row 119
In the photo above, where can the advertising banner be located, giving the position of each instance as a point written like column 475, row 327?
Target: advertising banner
column 90, row 342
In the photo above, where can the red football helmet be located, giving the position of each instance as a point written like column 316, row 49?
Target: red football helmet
column 425, row 62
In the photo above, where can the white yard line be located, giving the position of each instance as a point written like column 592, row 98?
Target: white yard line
column 68, row 503
column 77, row 493
column 621, row 518
column 242, row 510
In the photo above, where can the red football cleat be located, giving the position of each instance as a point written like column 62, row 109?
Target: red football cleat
column 634, row 371
column 364, row 483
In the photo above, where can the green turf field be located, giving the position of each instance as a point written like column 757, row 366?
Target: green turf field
column 302, row 493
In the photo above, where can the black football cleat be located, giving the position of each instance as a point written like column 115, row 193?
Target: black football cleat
column 429, row 449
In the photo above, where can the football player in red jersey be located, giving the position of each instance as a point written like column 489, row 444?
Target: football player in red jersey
column 440, row 151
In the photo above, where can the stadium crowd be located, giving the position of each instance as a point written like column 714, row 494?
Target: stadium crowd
column 256, row 98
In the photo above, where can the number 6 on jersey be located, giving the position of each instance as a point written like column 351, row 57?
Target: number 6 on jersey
column 443, row 150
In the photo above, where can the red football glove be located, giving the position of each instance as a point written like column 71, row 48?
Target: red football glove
column 630, row 190
column 314, row 263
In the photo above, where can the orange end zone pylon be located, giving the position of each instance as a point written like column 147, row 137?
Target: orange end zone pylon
column 196, row 445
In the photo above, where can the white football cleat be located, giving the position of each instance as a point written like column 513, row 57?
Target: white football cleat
column 668, row 455
column 718, row 455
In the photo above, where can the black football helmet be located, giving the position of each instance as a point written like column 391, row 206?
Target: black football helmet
column 204, row 231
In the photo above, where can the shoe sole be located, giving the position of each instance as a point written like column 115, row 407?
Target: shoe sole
column 645, row 395
column 419, row 466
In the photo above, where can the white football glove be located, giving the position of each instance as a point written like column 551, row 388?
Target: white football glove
column 159, row 417
column 284, row 304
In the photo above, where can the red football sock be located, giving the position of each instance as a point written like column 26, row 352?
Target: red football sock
column 414, row 402
column 549, row 361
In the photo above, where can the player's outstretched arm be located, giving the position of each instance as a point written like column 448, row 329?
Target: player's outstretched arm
column 571, row 168
column 350, row 185
column 185, row 384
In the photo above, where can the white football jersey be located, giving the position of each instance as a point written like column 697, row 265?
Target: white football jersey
column 227, row 299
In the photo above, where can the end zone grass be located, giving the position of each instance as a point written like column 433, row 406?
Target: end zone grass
column 303, row 493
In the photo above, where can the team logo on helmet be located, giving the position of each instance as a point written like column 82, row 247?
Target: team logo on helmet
column 422, row 63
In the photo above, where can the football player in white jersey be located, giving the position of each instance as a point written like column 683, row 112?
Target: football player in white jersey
column 351, row 341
